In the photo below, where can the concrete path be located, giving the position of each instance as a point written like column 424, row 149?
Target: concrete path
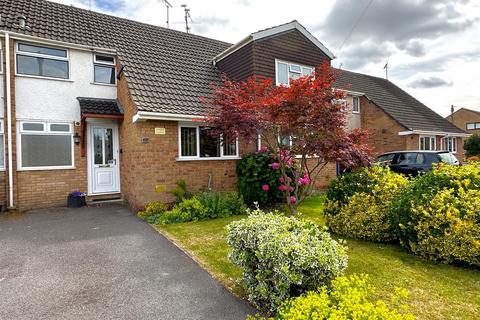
column 102, row 263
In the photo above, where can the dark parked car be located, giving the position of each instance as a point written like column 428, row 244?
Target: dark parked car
column 413, row 162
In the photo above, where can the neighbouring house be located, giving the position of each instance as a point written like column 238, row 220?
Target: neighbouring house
column 107, row 105
column 466, row 119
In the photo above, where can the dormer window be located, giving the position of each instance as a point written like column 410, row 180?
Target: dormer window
column 104, row 69
column 286, row 71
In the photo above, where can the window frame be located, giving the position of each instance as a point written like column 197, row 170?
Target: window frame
column 476, row 125
column 454, row 144
column 2, row 141
column 197, row 157
column 289, row 64
column 104, row 64
column 46, row 131
column 353, row 104
column 429, row 137
column 43, row 56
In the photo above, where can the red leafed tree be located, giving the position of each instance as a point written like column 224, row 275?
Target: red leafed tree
column 303, row 125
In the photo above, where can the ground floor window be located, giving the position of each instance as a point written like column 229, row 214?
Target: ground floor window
column 450, row 144
column 196, row 142
column 427, row 143
column 43, row 145
column 2, row 146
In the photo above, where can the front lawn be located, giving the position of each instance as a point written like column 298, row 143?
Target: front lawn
column 437, row 291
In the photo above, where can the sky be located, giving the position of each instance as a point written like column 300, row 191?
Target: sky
column 432, row 46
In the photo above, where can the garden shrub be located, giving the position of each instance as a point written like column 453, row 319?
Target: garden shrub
column 282, row 257
column 412, row 212
column 448, row 227
column 152, row 212
column 222, row 204
column 254, row 171
column 180, row 192
column 366, row 213
column 187, row 210
column 349, row 298
column 472, row 145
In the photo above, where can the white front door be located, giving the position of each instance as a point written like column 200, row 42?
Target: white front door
column 103, row 158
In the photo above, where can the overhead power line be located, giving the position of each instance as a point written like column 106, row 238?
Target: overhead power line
column 354, row 26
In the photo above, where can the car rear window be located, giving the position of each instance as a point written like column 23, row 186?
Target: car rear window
column 447, row 157
column 410, row 158
column 385, row 158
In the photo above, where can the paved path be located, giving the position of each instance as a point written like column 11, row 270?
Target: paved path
column 101, row 263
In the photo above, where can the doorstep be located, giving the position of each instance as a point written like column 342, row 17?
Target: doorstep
column 99, row 199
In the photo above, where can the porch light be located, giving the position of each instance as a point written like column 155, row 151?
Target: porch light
column 76, row 138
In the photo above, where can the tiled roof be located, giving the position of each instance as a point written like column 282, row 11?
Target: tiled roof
column 168, row 70
column 99, row 106
column 401, row 106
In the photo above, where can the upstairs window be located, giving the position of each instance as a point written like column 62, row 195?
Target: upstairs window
column 473, row 125
column 356, row 104
column 428, row 143
column 104, row 69
column 450, row 144
column 195, row 142
column 286, row 71
column 2, row 150
column 37, row 60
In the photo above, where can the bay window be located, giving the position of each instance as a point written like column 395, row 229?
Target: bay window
column 43, row 145
column 450, row 144
column 42, row 61
column 286, row 71
column 195, row 142
column 428, row 143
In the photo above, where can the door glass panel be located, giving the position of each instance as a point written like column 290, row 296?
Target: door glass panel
column 98, row 145
column 108, row 145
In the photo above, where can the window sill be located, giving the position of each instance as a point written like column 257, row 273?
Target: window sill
column 46, row 168
column 43, row 78
column 208, row 159
column 103, row 84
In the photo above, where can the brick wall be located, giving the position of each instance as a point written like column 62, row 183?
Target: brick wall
column 464, row 116
column 383, row 128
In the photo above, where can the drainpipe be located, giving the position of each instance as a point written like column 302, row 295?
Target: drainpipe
column 9, row 119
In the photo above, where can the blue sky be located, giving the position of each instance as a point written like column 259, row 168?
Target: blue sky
column 432, row 46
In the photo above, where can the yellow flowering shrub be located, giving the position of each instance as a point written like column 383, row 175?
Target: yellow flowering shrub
column 448, row 227
column 366, row 213
column 349, row 298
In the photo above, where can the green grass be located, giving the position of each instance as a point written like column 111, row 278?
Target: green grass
column 437, row 291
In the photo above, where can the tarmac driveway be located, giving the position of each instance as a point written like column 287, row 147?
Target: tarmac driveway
column 101, row 263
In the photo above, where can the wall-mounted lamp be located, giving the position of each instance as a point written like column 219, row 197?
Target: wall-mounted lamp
column 76, row 138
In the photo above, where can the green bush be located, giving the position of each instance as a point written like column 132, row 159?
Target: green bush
column 349, row 298
column 253, row 171
column 222, row 204
column 282, row 257
column 472, row 145
column 203, row 206
column 427, row 201
column 180, row 192
column 152, row 212
column 365, row 214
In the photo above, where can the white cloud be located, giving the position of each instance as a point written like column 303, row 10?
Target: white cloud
column 432, row 40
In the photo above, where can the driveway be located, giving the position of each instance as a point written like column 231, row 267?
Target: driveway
column 102, row 263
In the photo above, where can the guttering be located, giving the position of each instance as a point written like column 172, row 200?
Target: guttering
column 145, row 115
column 434, row 133
column 24, row 37
column 9, row 119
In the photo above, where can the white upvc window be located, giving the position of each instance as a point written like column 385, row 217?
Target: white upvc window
column 355, row 104
column 428, row 143
column 450, row 144
column 1, row 58
column 2, row 146
column 104, row 69
column 45, row 145
column 42, row 61
column 284, row 71
column 473, row 125
column 195, row 143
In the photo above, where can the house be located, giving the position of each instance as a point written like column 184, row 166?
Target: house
column 466, row 119
column 107, row 105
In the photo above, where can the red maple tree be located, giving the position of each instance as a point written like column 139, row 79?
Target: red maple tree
column 303, row 125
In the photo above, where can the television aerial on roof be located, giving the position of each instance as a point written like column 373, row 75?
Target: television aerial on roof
column 188, row 17
column 167, row 6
